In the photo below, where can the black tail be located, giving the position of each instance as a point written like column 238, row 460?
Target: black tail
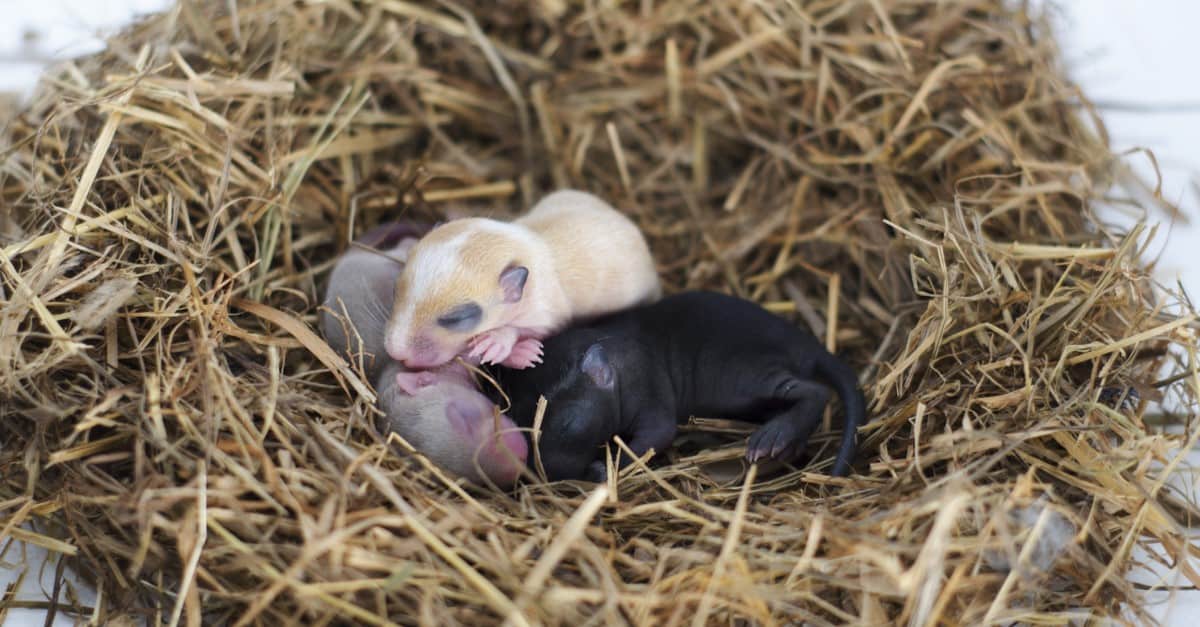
column 844, row 381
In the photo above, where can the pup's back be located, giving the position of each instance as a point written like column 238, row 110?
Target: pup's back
column 702, row 317
column 601, row 257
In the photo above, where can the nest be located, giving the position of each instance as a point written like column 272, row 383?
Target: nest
column 911, row 180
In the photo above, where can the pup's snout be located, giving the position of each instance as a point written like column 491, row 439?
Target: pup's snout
column 396, row 348
column 417, row 354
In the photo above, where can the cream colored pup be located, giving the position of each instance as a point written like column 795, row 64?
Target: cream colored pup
column 493, row 289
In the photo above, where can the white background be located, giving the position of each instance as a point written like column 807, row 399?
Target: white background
column 1137, row 58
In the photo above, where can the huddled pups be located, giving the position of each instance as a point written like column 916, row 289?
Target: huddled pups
column 565, row 301
column 444, row 416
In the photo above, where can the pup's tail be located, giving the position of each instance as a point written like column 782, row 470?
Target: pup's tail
column 844, row 381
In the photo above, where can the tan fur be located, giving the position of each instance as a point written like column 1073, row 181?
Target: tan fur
column 584, row 259
column 483, row 253
column 600, row 256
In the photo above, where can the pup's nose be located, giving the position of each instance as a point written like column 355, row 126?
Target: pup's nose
column 396, row 350
column 419, row 353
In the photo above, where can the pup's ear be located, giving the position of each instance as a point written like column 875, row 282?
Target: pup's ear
column 596, row 366
column 512, row 283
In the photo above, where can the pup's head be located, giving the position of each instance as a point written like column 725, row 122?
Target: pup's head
column 463, row 278
column 579, row 381
column 456, row 427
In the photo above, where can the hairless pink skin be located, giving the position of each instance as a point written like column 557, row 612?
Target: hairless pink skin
column 440, row 412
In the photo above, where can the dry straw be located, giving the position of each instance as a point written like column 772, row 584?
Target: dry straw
column 912, row 180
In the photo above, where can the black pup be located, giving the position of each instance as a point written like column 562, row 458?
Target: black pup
column 637, row 372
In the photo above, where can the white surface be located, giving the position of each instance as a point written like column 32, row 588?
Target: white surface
column 1131, row 52
column 1137, row 60
column 64, row 28
column 38, row 585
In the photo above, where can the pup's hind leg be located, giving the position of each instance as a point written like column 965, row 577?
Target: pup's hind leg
column 783, row 436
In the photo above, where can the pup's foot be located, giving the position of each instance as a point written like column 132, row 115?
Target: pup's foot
column 780, row 439
column 494, row 346
column 526, row 353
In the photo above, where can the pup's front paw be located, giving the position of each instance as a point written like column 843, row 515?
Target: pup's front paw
column 494, row 346
column 526, row 353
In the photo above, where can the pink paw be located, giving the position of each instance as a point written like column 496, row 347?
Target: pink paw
column 493, row 347
column 526, row 353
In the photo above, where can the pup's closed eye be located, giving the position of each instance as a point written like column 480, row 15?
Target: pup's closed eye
column 461, row 318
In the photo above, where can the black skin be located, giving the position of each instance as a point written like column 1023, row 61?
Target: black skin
column 639, row 372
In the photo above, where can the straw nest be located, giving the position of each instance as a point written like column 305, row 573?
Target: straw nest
column 911, row 180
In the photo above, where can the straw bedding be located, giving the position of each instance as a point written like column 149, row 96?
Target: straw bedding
column 912, row 180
